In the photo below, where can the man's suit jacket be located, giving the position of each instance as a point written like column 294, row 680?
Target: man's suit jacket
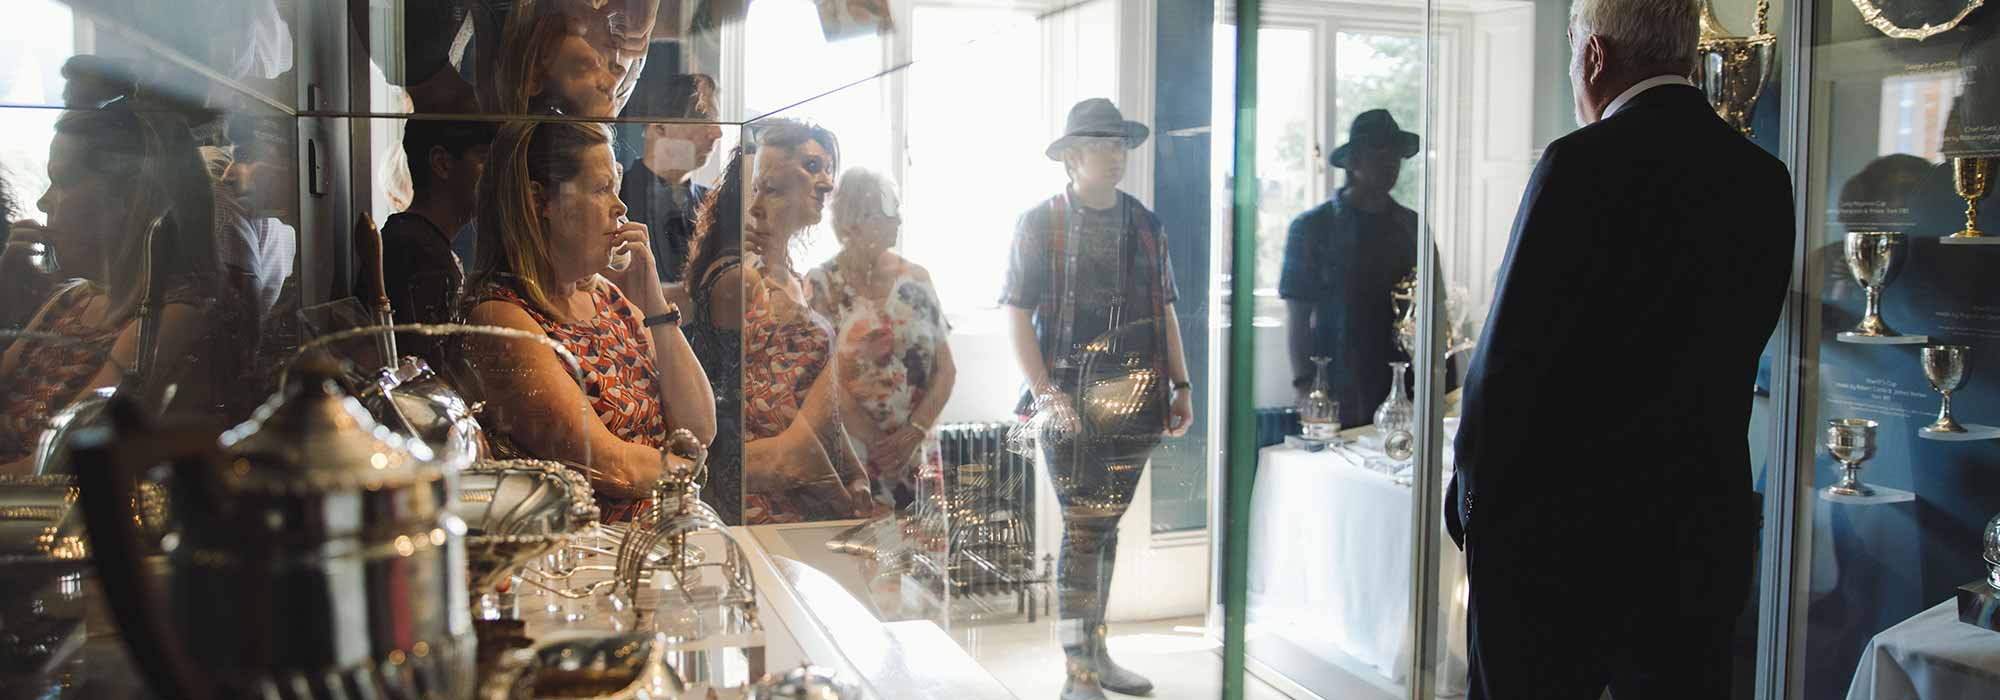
column 1648, row 264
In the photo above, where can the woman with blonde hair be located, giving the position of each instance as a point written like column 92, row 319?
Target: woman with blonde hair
column 891, row 359
column 550, row 223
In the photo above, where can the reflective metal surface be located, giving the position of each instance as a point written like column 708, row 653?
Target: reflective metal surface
column 1945, row 367
column 1913, row 19
column 1972, row 179
column 517, row 510
column 428, row 408
column 1732, row 69
column 805, row 683
column 316, row 552
column 1874, row 258
column 627, row 667
column 1851, row 441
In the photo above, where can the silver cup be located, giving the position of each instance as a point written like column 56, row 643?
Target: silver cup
column 1851, row 441
column 1874, row 258
column 1946, row 367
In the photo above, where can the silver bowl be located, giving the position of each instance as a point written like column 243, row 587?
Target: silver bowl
column 516, row 511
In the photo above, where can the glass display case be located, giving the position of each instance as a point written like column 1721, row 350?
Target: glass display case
column 954, row 348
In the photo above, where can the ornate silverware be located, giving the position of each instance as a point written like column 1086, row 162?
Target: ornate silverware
column 1972, row 178
column 317, row 552
column 805, row 683
column 1874, row 258
column 1904, row 19
column 516, row 511
column 1851, row 441
column 625, row 667
column 1946, row 366
column 1731, row 69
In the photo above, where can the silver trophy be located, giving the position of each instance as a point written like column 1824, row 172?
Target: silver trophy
column 1874, row 258
column 1851, row 441
column 1945, row 366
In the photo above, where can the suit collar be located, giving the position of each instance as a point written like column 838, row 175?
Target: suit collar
column 1684, row 95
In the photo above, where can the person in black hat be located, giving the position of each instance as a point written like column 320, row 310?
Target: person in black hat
column 1089, row 295
column 1342, row 260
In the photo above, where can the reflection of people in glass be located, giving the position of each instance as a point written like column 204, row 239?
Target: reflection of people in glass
column 714, row 302
column 112, row 172
column 550, row 221
column 1089, row 295
column 419, row 270
column 657, row 185
column 797, row 463
column 1605, row 413
column 256, row 199
column 891, row 354
column 575, row 57
column 1343, row 259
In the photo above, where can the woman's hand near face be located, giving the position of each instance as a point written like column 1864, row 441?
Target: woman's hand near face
column 640, row 280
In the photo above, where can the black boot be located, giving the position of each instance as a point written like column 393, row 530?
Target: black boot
column 1110, row 675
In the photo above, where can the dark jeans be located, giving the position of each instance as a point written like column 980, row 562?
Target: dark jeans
column 1094, row 475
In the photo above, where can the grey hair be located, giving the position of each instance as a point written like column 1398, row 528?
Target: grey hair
column 1643, row 32
column 861, row 191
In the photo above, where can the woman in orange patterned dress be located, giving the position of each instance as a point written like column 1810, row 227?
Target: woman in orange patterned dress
column 798, row 464
column 550, row 223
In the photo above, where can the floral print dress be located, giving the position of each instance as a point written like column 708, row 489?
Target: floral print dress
column 885, row 355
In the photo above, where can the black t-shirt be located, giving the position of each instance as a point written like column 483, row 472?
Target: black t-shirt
column 419, row 270
column 667, row 210
column 1346, row 262
column 1120, row 255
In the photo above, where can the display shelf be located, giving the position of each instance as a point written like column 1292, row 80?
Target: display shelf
column 1858, row 339
column 1973, row 432
column 1883, row 495
column 1980, row 241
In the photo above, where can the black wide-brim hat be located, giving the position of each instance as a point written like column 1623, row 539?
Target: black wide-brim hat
column 1373, row 127
column 1097, row 118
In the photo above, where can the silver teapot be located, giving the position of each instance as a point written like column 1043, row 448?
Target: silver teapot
column 315, row 553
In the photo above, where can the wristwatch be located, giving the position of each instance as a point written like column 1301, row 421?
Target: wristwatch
column 1183, row 385
column 672, row 316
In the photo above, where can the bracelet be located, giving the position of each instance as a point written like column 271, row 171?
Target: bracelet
column 919, row 426
column 1183, row 385
column 671, row 317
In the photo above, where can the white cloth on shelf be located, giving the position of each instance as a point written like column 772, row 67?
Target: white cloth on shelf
column 1329, row 562
column 1928, row 657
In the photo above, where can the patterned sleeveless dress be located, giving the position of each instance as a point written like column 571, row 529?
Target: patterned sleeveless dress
column 619, row 377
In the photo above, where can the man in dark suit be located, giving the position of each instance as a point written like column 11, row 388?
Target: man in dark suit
column 1609, row 527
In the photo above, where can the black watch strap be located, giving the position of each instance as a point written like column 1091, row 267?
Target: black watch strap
column 671, row 317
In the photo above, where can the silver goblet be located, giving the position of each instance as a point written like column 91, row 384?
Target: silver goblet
column 1945, row 366
column 1874, row 258
column 1851, row 441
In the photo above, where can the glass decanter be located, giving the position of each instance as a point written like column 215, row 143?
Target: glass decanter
column 1395, row 419
column 1319, row 414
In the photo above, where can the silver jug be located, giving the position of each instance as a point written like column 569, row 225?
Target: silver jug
column 316, row 554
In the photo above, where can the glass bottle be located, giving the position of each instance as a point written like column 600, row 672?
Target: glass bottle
column 1319, row 414
column 1396, row 417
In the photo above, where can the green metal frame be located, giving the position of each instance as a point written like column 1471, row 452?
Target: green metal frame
column 1242, row 456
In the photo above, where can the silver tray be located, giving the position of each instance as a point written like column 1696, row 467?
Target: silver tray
column 516, row 511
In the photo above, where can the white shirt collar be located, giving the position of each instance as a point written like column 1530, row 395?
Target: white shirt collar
column 1640, row 87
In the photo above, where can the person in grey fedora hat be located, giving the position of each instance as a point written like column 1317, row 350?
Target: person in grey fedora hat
column 1089, row 295
column 1342, row 260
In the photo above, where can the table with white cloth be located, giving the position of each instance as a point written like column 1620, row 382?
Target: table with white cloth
column 1330, row 560
column 1931, row 655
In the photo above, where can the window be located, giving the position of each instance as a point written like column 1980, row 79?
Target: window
column 34, row 56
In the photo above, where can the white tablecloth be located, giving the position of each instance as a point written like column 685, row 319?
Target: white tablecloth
column 1931, row 656
column 1330, row 562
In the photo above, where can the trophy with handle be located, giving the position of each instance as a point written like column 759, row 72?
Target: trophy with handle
column 1732, row 70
